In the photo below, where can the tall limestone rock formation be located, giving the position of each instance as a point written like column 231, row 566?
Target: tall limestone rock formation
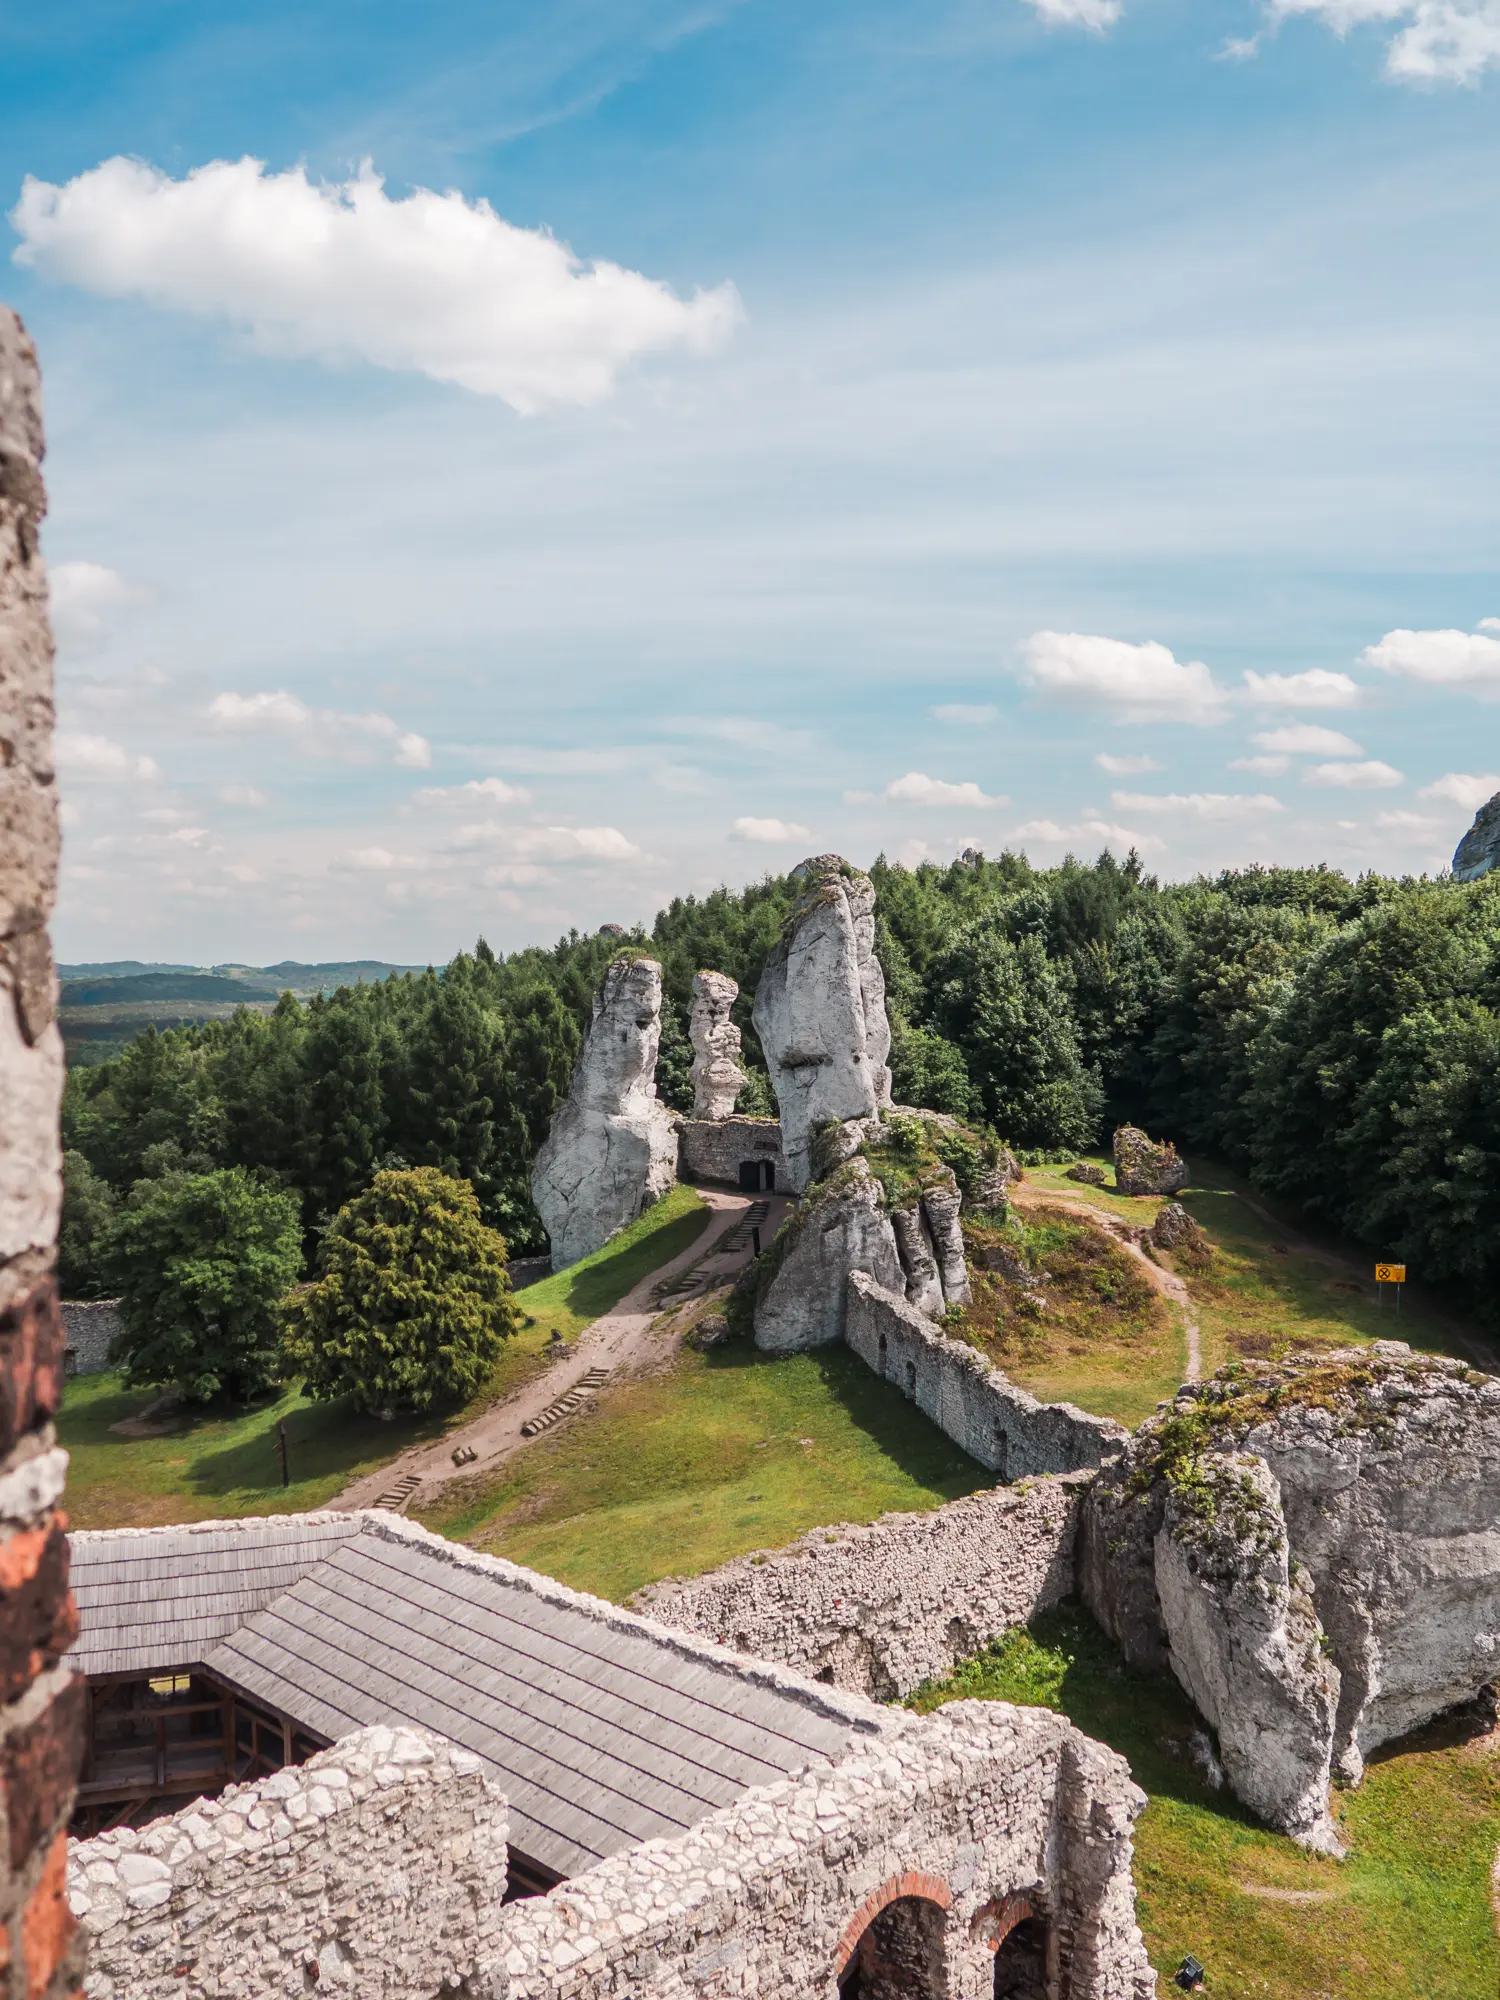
column 876, row 1196
column 612, row 1150
column 1311, row 1548
column 717, row 1076
column 820, row 1010
column 1479, row 850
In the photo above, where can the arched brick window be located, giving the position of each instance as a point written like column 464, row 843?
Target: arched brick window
column 894, row 1947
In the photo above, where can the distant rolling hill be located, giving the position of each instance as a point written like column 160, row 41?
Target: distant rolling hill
column 105, row 1005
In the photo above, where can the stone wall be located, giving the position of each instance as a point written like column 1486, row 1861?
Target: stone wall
column 711, row 1149
column 880, row 1609
column 89, row 1325
column 1001, row 1426
column 980, row 1814
column 41, row 1702
column 375, row 1869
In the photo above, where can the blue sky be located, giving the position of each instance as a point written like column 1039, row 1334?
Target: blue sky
column 843, row 427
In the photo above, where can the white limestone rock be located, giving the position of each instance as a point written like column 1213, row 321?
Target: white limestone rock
column 820, row 1010
column 838, row 1229
column 717, row 1076
column 612, row 1149
column 1382, row 1482
column 1479, row 850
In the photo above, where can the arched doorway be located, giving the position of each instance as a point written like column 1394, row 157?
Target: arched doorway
column 900, row 1955
column 757, row 1176
column 1021, row 1962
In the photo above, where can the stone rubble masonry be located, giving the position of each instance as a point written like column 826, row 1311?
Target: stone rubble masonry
column 375, row 1869
column 717, row 1076
column 89, row 1325
column 41, row 1701
column 820, row 1010
column 712, row 1149
column 1004, row 1427
column 612, row 1149
column 881, row 1609
column 979, row 1810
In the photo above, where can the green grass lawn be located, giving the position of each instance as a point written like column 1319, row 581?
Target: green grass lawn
column 724, row 1453
column 1406, row 1917
column 225, row 1463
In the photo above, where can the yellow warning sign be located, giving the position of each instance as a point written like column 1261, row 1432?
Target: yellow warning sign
column 1390, row 1274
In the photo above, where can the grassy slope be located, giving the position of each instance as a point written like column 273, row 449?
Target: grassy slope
column 220, row 1464
column 1406, row 1917
column 724, row 1453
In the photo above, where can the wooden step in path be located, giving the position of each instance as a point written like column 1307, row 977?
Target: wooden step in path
column 575, row 1399
column 398, row 1494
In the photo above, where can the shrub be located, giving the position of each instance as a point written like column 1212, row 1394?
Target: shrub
column 412, row 1305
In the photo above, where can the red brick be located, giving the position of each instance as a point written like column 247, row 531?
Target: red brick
column 38, row 1619
column 40, row 1765
column 32, row 1344
column 47, row 1922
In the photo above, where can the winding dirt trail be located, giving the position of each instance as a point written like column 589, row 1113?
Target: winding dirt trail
column 620, row 1342
column 1166, row 1282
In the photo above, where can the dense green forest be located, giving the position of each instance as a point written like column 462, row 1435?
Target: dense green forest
column 1338, row 1040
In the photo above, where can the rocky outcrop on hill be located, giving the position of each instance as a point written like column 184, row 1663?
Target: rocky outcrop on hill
column 717, row 1076
column 1479, row 850
column 1311, row 1547
column 612, row 1149
column 839, row 1227
column 1142, row 1167
column 820, row 1010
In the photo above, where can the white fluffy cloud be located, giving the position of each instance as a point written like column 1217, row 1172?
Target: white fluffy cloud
column 477, row 792
column 544, row 843
column 1138, row 683
column 1126, row 767
column 1466, row 660
column 1199, row 805
column 917, row 789
column 84, row 756
column 1051, row 834
column 768, row 830
column 964, row 714
column 1317, row 688
column 1439, row 41
column 1262, row 767
column 430, row 283
column 1095, row 14
column 323, row 731
column 1371, row 776
column 1308, row 739
column 86, row 598
column 1470, row 790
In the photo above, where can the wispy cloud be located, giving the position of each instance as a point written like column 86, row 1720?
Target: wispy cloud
column 1199, row 805
column 1470, row 790
column 476, row 792
column 768, row 830
column 1127, row 767
column 86, row 600
column 1372, row 775
column 1308, row 739
column 1318, row 687
column 746, row 732
column 1096, row 15
column 965, row 714
column 321, row 731
column 1442, row 41
column 81, row 755
column 430, row 283
column 1049, row 833
column 1262, row 767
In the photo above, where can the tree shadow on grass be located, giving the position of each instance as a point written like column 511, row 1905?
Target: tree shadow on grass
column 911, row 1441
column 324, row 1440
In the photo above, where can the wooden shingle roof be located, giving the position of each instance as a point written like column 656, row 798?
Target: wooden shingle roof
column 601, row 1728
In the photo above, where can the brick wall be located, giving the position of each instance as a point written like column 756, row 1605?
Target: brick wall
column 41, row 1702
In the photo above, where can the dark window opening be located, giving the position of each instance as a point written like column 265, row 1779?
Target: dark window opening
column 1021, row 1962
column 901, row 1956
column 525, row 1877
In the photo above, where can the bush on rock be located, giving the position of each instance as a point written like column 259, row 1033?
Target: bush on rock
column 412, row 1305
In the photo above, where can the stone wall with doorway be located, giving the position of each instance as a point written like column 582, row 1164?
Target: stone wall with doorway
column 880, row 1609
column 1004, row 1427
column 89, row 1325
column 715, row 1149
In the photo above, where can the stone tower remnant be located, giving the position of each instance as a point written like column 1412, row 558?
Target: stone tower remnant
column 1479, row 850
column 820, row 1010
column 612, row 1150
column 717, row 1076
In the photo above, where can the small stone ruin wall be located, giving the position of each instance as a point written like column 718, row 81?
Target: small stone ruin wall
column 1003, row 1427
column 89, row 1325
column 711, row 1149
column 880, row 1609
column 375, row 1870
column 981, row 1812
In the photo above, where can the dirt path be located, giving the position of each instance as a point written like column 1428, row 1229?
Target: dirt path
column 1166, row 1282
column 619, row 1342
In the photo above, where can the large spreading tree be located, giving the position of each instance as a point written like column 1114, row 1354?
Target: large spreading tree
column 412, row 1306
